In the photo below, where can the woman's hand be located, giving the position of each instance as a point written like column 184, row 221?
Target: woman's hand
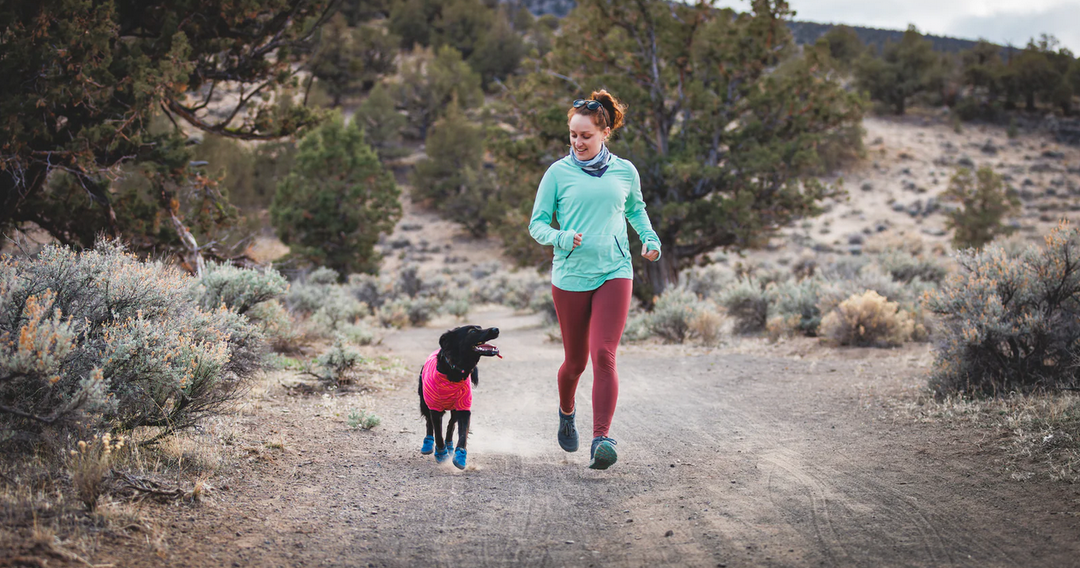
column 577, row 241
column 650, row 255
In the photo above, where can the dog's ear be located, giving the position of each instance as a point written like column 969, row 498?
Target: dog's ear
column 446, row 340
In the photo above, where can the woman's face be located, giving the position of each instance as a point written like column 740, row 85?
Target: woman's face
column 585, row 137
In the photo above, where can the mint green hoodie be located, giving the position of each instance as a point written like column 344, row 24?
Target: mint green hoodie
column 598, row 208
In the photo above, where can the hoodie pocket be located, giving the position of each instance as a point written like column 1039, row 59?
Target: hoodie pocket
column 597, row 254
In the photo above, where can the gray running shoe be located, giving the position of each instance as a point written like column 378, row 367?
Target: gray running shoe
column 603, row 453
column 568, row 439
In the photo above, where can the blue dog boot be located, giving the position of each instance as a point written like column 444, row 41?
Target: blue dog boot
column 429, row 445
column 442, row 454
column 459, row 458
column 568, row 438
column 603, row 453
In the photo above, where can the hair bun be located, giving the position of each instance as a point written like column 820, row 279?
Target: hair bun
column 615, row 110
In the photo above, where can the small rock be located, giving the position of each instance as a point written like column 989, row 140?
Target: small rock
column 965, row 162
column 669, row 533
column 866, row 186
column 1053, row 155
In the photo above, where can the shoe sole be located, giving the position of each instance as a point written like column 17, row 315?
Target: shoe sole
column 573, row 448
column 604, row 456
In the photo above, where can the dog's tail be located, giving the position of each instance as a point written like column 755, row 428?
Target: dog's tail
column 475, row 376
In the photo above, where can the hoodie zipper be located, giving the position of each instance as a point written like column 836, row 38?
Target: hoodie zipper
column 618, row 246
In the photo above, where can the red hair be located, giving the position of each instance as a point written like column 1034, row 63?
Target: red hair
column 609, row 115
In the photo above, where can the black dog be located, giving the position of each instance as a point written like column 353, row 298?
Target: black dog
column 444, row 386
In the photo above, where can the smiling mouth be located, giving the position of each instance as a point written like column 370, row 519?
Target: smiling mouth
column 487, row 350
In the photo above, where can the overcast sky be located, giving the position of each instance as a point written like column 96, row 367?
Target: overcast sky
column 999, row 21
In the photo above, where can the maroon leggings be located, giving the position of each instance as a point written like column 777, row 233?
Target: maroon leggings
column 592, row 324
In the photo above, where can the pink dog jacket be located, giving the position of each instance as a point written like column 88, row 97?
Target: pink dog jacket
column 440, row 393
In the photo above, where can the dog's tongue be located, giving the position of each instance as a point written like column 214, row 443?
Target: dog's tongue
column 488, row 350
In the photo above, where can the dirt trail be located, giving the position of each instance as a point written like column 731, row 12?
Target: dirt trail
column 725, row 459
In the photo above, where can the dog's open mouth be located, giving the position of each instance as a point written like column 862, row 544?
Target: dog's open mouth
column 487, row 350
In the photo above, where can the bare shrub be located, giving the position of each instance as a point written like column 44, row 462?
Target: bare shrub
column 705, row 326
column 867, row 320
column 1011, row 324
column 89, row 464
column 746, row 303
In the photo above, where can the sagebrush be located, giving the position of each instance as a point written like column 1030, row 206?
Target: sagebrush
column 102, row 340
column 1011, row 323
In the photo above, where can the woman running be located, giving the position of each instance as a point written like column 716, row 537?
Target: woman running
column 591, row 193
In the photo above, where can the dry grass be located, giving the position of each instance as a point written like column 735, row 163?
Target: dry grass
column 1038, row 433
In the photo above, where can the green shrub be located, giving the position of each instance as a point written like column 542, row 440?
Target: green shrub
column 1010, row 324
column 363, row 419
column 276, row 325
column 359, row 333
column 239, row 289
column 100, row 339
column 679, row 315
column 637, row 327
column 544, row 303
column 793, row 306
column 906, row 267
column 336, row 201
column 745, row 302
column 337, row 364
column 706, row 281
column 867, row 320
column 370, row 289
column 984, row 206
column 339, row 310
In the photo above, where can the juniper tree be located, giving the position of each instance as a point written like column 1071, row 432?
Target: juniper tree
column 903, row 70
column 723, row 122
column 336, row 201
column 83, row 82
column 984, row 203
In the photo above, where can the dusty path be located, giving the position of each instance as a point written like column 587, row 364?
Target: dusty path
column 725, row 459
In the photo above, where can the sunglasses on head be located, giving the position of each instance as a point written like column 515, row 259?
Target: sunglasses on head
column 589, row 104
